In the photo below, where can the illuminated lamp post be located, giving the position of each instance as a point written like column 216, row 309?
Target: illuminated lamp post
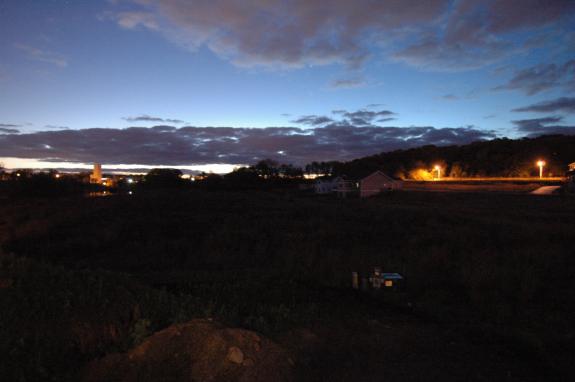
column 438, row 169
column 540, row 163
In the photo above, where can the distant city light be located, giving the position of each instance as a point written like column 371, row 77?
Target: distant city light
column 130, row 180
column 57, row 176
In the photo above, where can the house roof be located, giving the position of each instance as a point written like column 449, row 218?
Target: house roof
column 380, row 174
column 355, row 177
column 392, row 276
column 331, row 179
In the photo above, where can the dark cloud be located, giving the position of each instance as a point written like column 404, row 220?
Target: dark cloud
column 365, row 117
column 56, row 127
column 9, row 125
column 442, row 34
column 147, row 118
column 450, row 97
column 168, row 145
column 362, row 117
column 543, row 126
column 564, row 104
column 542, row 77
column 476, row 32
column 277, row 32
column 8, row 130
column 348, row 83
column 313, row 120
column 528, row 125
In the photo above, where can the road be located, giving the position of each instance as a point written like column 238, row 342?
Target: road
column 545, row 190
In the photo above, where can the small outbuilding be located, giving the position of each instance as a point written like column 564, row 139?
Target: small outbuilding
column 385, row 281
column 378, row 281
column 570, row 178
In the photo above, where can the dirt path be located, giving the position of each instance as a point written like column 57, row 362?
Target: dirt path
column 545, row 190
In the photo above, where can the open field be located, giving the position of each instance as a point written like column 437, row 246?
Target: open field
column 489, row 277
column 506, row 185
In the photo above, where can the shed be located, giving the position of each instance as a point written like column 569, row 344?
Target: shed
column 385, row 281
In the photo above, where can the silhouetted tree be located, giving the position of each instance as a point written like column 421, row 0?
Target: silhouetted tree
column 164, row 178
column 267, row 168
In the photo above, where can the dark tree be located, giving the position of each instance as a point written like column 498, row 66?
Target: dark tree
column 164, row 178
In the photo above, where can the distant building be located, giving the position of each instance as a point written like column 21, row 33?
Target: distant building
column 326, row 186
column 378, row 280
column 388, row 281
column 377, row 182
column 372, row 184
column 96, row 176
column 570, row 178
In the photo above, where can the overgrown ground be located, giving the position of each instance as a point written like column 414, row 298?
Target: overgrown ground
column 490, row 273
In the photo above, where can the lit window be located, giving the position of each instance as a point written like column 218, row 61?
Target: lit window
column 388, row 283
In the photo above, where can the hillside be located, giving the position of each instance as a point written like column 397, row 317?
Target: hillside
column 499, row 157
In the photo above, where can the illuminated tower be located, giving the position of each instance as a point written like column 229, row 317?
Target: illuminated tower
column 96, row 176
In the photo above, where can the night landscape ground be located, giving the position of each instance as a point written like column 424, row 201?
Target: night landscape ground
column 287, row 190
column 488, row 293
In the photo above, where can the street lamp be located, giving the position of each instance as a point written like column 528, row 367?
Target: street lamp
column 438, row 169
column 540, row 163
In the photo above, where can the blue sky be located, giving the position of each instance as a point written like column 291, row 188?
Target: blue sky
column 74, row 75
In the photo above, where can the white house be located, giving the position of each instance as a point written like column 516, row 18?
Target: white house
column 377, row 182
column 326, row 186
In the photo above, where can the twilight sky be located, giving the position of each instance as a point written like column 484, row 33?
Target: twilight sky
column 195, row 83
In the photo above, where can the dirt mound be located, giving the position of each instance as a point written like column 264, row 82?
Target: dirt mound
column 199, row 350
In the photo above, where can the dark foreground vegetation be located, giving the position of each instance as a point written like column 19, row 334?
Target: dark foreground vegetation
column 94, row 275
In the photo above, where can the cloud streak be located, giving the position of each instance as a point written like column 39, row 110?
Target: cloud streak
column 147, row 118
column 45, row 56
column 6, row 130
column 563, row 104
column 542, row 77
column 543, row 126
column 348, row 83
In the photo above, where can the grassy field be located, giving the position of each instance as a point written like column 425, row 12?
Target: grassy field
column 500, row 185
column 499, row 264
